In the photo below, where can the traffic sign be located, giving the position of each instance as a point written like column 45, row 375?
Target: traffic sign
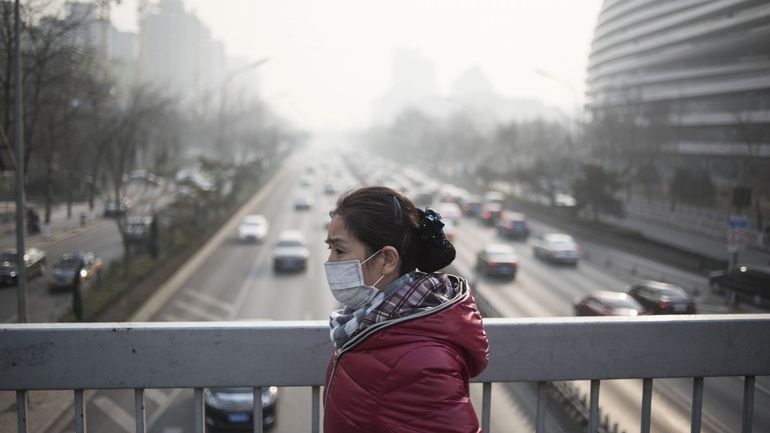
column 736, row 232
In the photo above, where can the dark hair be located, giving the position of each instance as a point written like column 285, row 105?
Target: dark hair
column 379, row 216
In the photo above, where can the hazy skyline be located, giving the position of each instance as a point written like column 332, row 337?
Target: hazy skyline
column 329, row 60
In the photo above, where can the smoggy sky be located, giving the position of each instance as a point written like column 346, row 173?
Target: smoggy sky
column 330, row 59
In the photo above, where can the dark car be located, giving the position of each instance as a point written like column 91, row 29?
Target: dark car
column 232, row 408
column 513, row 225
column 491, row 213
column 472, row 206
column 62, row 275
column 662, row 298
column 498, row 260
column 114, row 208
column 745, row 281
column 35, row 265
column 608, row 303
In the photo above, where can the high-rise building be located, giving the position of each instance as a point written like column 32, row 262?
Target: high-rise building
column 698, row 69
column 176, row 50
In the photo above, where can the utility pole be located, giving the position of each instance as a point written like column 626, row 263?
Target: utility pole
column 21, row 264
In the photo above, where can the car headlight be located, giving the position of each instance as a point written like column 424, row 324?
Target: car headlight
column 211, row 399
column 12, row 273
column 269, row 396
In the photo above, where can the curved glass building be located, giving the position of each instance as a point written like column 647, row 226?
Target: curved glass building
column 700, row 68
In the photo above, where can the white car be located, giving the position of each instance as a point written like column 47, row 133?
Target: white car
column 556, row 247
column 290, row 253
column 253, row 228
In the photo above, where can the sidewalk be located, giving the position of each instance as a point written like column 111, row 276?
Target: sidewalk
column 60, row 226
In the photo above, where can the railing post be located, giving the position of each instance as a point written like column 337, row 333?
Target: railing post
column 593, row 419
column 139, row 413
column 697, row 404
column 748, row 404
column 80, row 412
column 646, row 404
column 486, row 406
column 316, row 412
column 541, row 400
column 256, row 415
column 199, row 411
column 21, row 410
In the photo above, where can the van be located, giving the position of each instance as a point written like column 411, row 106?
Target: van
column 751, row 282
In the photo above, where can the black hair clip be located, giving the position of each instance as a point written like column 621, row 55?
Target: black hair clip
column 431, row 227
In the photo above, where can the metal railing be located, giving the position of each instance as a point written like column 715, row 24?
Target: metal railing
column 142, row 356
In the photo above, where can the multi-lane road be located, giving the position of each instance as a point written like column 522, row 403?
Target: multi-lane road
column 237, row 282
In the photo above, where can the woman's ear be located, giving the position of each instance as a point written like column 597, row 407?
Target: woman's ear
column 392, row 260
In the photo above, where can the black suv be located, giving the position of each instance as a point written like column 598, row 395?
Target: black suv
column 745, row 281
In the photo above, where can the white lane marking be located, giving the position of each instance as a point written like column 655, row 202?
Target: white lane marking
column 156, row 395
column 196, row 310
column 170, row 399
column 207, row 299
column 116, row 413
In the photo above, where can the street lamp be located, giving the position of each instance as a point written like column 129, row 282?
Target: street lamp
column 223, row 96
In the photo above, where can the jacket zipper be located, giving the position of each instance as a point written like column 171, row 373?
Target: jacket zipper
column 331, row 377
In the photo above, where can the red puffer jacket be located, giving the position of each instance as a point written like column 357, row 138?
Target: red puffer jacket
column 411, row 375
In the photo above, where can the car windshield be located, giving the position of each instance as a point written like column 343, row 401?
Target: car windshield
column 673, row 293
column 69, row 264
column 290, row 243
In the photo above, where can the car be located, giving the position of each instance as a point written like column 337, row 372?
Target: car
column 556, row 248
column 498, row 260
column 303, row 201
column 608, row 303
column 491, row 212
column 450, row 211
column 662, row 298
column 253, row 228
column 290, row 252
column 62, row 275
column 115, row 208
column 746, row 281
column 232, row 408
column 513, row 225
column 34, row 259
column 472, row 206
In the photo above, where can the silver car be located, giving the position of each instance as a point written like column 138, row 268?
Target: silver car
column 557, row 248
column 290, row 253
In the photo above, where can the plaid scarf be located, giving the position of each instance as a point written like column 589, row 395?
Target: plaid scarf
column 409, row 294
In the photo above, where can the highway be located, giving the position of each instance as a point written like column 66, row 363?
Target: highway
column 237, row 282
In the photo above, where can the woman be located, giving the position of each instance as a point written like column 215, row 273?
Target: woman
column 407, row 339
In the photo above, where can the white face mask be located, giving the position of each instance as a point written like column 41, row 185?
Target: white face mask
column 346, row 282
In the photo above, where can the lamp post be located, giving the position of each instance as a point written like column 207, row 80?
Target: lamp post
column 573, row 92
column 223, row 97
column 21, row 268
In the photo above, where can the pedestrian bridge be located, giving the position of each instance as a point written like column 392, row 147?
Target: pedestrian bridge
column 195, row 355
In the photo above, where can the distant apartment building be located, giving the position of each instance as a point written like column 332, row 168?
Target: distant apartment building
column 176, row 51
column 701, row 68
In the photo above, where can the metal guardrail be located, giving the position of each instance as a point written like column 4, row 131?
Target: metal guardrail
column 140, row 356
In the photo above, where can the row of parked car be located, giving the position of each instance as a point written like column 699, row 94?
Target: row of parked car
column 63, row 274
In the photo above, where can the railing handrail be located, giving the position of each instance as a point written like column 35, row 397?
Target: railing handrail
column 260, row 353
